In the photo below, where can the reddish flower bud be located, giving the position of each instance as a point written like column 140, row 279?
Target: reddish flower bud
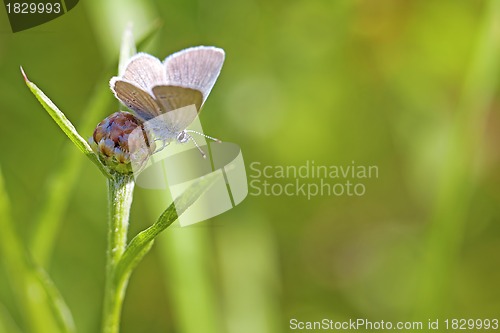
column 120, row 138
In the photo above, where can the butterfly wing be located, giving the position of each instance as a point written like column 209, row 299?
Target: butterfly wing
column 174, row 97
column 180, row 106
column 196, row 68
column 153, row 89
column 169, row 125
column 145, row 71
column 142, row 103
column 133, row 87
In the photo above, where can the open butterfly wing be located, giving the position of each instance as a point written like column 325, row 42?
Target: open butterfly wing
column 153, row 89
column 145, row 71
column 196, row 68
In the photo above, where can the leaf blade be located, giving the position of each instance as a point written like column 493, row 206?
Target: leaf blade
column 64, row 124
column 140, row 245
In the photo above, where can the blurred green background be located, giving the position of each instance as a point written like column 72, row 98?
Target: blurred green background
column 410, row 86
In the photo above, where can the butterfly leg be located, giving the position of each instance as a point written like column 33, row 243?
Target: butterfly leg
column 184, row 137
column 164, row 144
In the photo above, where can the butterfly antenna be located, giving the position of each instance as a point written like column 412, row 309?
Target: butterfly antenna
column 206, row 136
column 196, row 144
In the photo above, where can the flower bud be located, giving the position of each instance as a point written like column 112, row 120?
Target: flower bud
column 121, row 139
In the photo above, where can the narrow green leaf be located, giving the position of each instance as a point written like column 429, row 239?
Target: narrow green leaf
column 127, row 49
column 59, row 308
column 60, row 183
column 63, row 122
column 7, row 323
column 146, row 37
column 46, row 312
column 142, row 242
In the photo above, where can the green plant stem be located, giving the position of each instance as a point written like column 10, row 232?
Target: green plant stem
column 122, row 259
column 120, row 190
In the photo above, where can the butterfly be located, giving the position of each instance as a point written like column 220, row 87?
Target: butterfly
column 160, row 92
